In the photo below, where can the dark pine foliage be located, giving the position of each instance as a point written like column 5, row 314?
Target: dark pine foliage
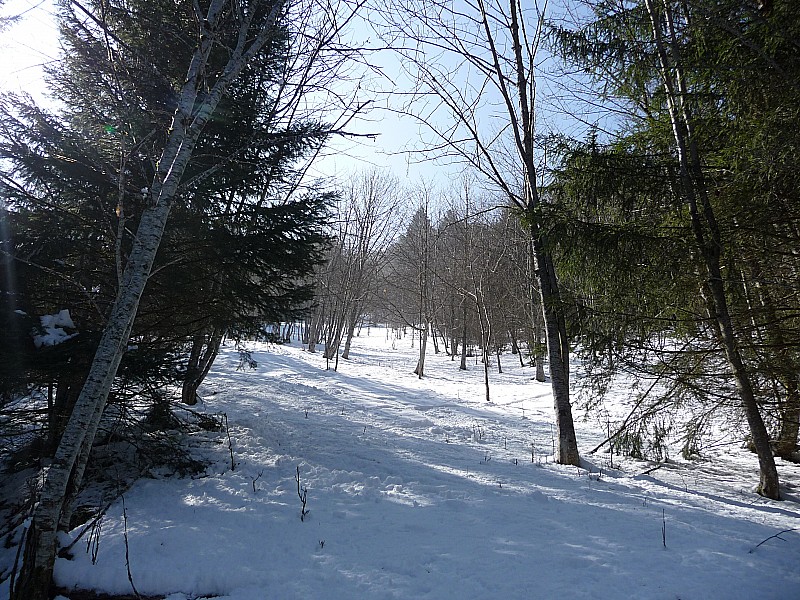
column 241, row 239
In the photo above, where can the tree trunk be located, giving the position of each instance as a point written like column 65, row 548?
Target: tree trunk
column 783, row 367
column 515, row 349
column 189, row 389
column 463, row 365
column 540, row 376
column 351, row 329
column 333, row 336
column 204, row 351
column 558, row 355
column 453, row 330
column 419, row 371
column 485, row 334
column 434, row 340
column 786, row 444
column 67, row 391
column 521, row 359
column 707, row 234
column 313, row 330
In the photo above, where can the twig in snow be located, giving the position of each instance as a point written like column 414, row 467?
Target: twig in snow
column 663, row 528
column 230, row 442
column 260, row 473
column 93, row 543
column 777, row 535
column 127, row 550
column 302, row 495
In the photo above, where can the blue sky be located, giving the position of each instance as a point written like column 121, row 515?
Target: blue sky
column 27, row 45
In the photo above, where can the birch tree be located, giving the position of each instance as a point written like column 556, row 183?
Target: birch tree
column 227, row 36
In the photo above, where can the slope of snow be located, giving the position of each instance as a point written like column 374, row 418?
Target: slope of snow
column 421, row 489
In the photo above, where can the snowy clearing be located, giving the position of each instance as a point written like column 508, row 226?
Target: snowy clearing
column 420, row 489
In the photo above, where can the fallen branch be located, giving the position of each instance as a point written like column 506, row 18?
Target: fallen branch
column 27, row 523
column 65, row 551
column 777, row 535
column 656, row 468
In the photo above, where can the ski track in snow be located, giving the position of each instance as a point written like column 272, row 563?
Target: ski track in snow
column 421, row 489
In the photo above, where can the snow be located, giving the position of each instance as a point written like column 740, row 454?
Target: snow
column 421, row 489
column 53, row 329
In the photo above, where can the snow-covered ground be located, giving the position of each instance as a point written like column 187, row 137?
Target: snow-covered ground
column 421, row 489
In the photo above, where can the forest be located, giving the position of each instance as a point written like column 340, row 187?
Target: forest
column 625, row 209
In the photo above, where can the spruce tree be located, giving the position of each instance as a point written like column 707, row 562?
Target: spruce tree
column 699, row 81
column 141, row 136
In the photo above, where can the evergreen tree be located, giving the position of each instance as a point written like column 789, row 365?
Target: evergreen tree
column 239, row 245
column 141, row 135
column 698, row 78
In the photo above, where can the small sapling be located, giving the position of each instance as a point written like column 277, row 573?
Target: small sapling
column 303, row 495
column 260, row 473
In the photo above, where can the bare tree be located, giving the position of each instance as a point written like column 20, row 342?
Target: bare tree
column 472, row 64
column 374, row 206
column 365, row 223
column 410, row 274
